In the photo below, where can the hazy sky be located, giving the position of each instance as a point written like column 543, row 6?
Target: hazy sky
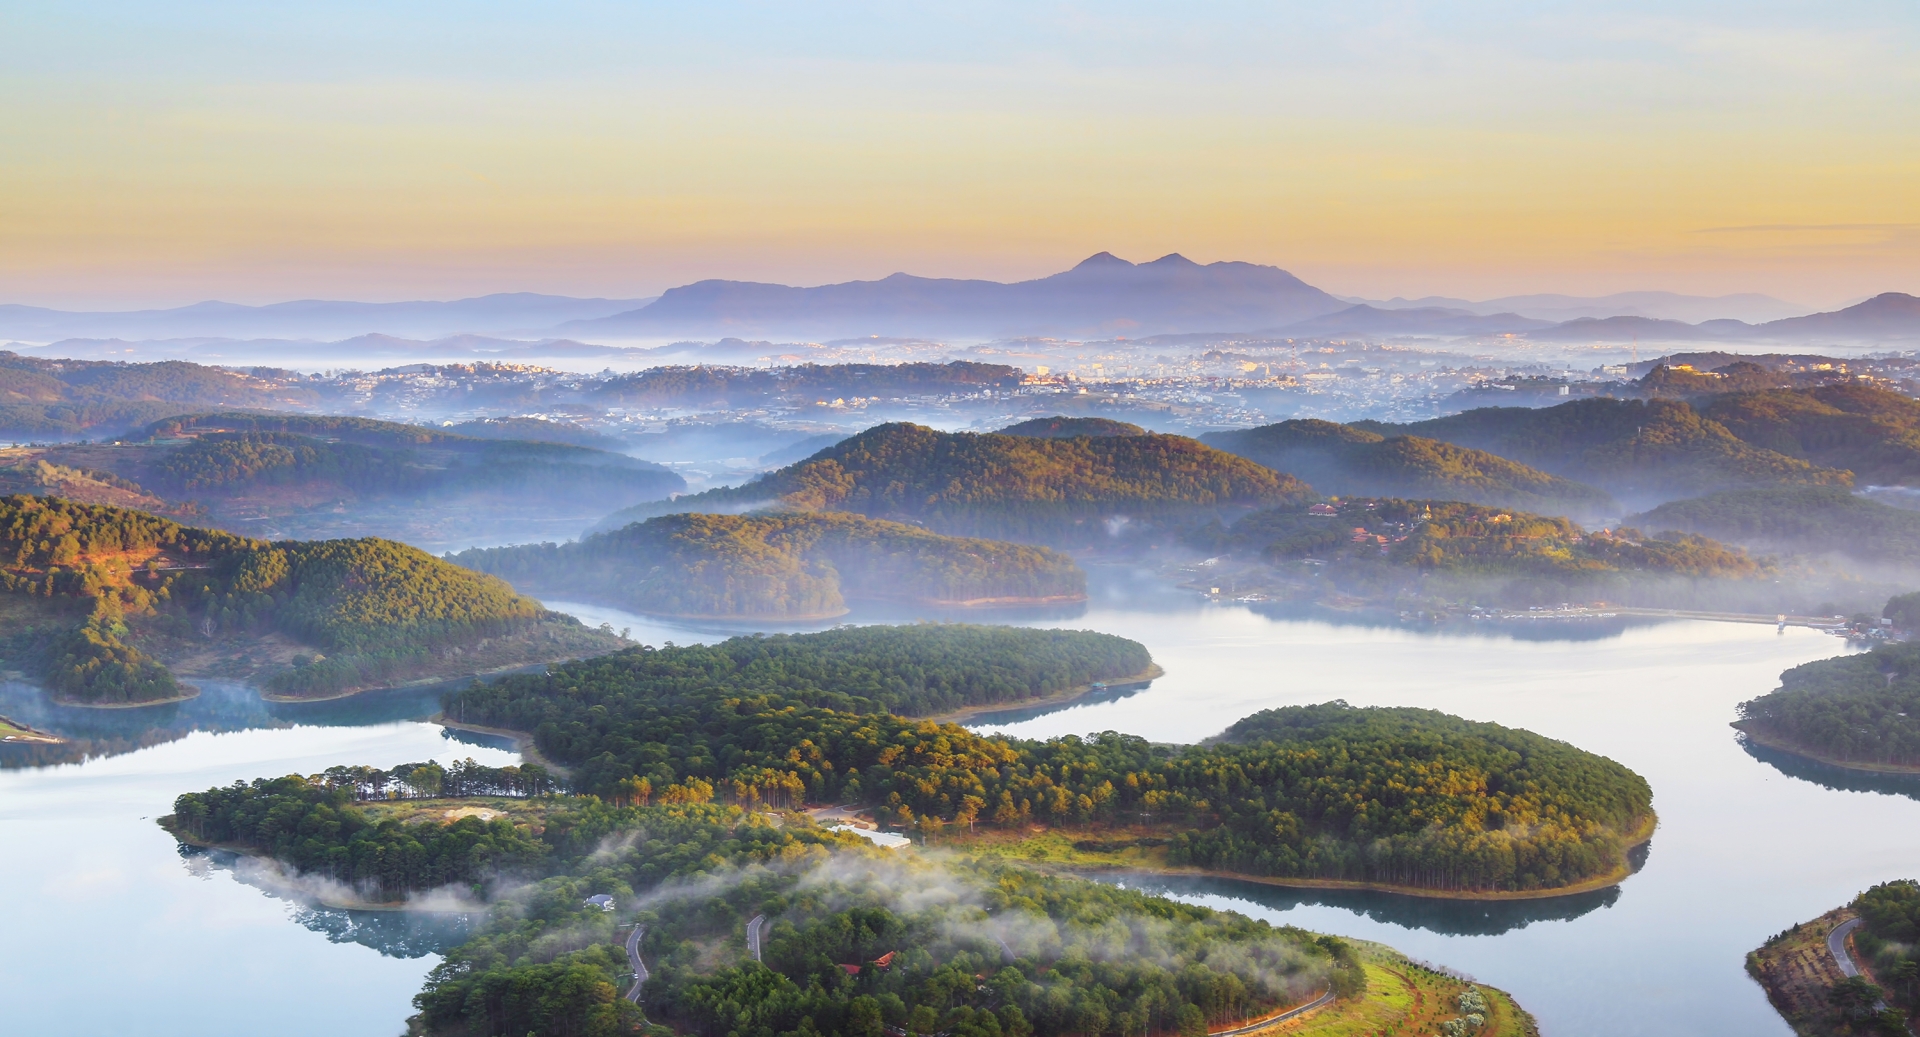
column 164, row 153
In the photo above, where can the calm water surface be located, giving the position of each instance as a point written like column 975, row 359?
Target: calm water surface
column 113, row 930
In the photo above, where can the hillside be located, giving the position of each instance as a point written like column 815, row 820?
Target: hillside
column 311, row 476
column 1798, row 519
column 788, row 565
column 1080, row 490
column 117, row 598
column 1416, row 554
column 1347, row 461
column 1869, row 431
column 1641, row 451
column 1068, row 428
column 70, row 399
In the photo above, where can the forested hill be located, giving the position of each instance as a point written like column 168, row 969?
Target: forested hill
column 783, row 565
column 1860, row 709
column 1869, row 431
column 66, row 399
column 115, row 588
column 1642, row 451
column 1389, row 550
column 786, row 719
column 319, row 477
column 1347, row 461
column 1067, row 428
column 1077, row 490
column 1816, row 520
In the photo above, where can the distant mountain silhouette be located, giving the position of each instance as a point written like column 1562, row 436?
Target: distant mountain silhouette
column 310, row 318
column 1102, row 295
column 1888, row 315
column 1427, row 320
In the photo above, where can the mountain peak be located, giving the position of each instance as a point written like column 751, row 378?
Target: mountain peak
column 1102, row 261
column 1173, row 260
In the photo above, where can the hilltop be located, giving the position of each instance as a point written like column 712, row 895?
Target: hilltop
column 787, row 565
column 105, row 599
column 1641, row 451
column 1348, row 461
column 1084, row 490
column 275, row 475
column 1069, row 428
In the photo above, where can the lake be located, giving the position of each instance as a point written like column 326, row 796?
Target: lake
column 113, row 930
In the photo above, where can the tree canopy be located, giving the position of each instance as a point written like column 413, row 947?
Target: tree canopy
column 1014, row 487
column 782, row 564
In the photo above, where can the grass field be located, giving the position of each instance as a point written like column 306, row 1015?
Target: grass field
column 1405, row 999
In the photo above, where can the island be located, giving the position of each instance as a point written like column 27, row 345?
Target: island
column 1077, row 491
column 783, row 566
column 110, row 607
column 1454, row 808
column 698, row 916
column 1852, row 970
column 1860, row 711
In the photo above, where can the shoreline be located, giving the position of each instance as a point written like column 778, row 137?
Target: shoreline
column 1774, row 742
column 191, row 691
column 32, row 736
column 166, row 825
column 417, row 682
column 1612, row 877
column 820, row 617
column 1060, row 698
column 522, row 741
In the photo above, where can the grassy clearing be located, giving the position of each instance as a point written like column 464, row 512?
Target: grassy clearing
column 1408, row 1000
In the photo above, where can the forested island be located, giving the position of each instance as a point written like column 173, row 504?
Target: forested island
column 1392, row 551
column 751, row 920
column 1860, row 710
column 783, row 565
column 1348, row 461
column 1078, row 490
column 1851, row 971
column 97, row 597
column 1454, row 808
column 273, row 474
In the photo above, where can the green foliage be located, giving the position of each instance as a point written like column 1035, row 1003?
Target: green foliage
column 1017, row 487
column 380, row 605
column 782, row 564
column 1862, row 708
column 1814, row 519
column 52, row 399
column 1633, row 448
column 1869, row 431
column 793, row 718
column 1344, row 460
column 1067, row 428
column 228, row 451
column 314, row 826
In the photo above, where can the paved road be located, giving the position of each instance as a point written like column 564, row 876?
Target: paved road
column 633, row 960
column 1275, row 1020
column 753, row 935
column 1837, row 945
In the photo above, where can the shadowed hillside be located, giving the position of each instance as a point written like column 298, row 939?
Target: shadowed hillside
column 1348, row 461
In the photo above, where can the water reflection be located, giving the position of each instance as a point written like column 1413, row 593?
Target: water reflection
column 1829, row 776
column 395, row 934
column 1446, row 917
column 220, row 706
column 1025, row 713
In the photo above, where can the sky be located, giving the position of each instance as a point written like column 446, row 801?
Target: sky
column 160, row 154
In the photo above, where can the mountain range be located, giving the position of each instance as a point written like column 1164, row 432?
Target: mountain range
column 1101, row 297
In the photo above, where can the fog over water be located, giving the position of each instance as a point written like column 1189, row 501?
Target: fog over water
column 1747, row 846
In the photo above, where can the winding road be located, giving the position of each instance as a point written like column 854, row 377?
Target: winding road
column 753, row 935
column 633, row 959
column 1274, row 1020
column 1837, row 945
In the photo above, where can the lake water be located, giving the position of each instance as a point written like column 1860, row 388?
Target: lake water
column 111, row 929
